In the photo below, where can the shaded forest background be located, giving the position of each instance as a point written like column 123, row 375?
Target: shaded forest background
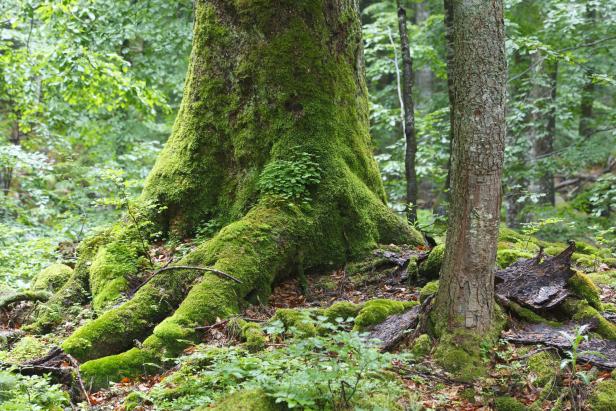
column 89, row 91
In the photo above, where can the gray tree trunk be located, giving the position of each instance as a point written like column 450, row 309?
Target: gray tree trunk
column 479, row 73
column 409, row 117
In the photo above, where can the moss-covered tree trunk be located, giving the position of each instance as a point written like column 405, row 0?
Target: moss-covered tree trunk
column 271, row 143
column 464, row 307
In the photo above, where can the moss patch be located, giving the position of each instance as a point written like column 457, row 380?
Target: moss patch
column 504, row 258
column 342, row 309
column 427, row 290
column 296, row 321
column 431, row 267
column 603, row 396
column 584, row 288
column 421, row 346
column 253, row 400
column 580, row 310
column 52, row 278
column 508, row 404
column 376, row 311
column 545, row 366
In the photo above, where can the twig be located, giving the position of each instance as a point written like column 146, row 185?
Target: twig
column 75, row 365
column 209, row 327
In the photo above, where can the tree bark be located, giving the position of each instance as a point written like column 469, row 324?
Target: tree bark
column 409, row 117
column 272, row 87
column 465, row 299
column 424, row 77
column 448, row 21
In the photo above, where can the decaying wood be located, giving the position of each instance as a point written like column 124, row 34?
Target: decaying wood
column 391, row 331
column 400, row 260
column 538, row 283
column 595, row 351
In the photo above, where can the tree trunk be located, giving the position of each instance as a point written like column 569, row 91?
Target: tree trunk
column 409, row 118
column 448, row 21
column 463, row 313
column 271, row 142
column 586, row 107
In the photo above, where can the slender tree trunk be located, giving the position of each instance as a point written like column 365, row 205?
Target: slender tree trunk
column 448, row 17
column 465, row 300
column 545, row 147
column 409, row 118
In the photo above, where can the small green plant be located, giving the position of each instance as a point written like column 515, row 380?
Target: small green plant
column 290, row 180
column 570, row 362
column 18, row 392
column 336, row 371
column 533, row 227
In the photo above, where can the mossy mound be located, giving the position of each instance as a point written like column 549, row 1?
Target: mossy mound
column 508, row 404
column 504, row 258
column 460, row 354
column 252, row 400
column 580, row 310
column 421, row 346
column 342, row 309
column 545, row 366
column 296, row 321
column 52, row 278
column 27, row 348
column 376, row 311
column 431, row 267
column 427, row 290
column 603, row 396
column 584, row 288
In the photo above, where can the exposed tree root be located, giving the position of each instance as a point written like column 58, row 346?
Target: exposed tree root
column 33, row 296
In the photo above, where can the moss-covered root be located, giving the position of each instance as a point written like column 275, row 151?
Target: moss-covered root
column 27, row 295
column 581, row 310
column 75, row 290
column 431, row 267
column 253, row 250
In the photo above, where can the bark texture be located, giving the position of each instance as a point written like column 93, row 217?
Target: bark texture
column 271, row 85
column 465, row 299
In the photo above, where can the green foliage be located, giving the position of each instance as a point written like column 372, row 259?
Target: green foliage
column 335, row 371
column 508, row 404
column 291, row 180
column 18, row 392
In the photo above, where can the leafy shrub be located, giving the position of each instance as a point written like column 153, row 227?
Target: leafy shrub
column 336, row 371
column 290, row 179
column 18, row 392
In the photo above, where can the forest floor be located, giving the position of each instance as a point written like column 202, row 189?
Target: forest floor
column 306, row 336
column 511, row 374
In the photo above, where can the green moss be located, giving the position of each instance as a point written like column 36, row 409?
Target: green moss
column 376, row 311
column 52, row 278
column 254, row 337
column 580, row 310
column 342, row 309
column 133, row 363
column 545, row 366
column 421, row 346
column 431, row 267
column 296, row 320
column 508, row 404
column 528, row 315
column 253, row 400
column 511, row 236
column 603, row 396
column 583, row 287
column 504, row 258
column 133, row 400
column 427, row 290
column 603, row 278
